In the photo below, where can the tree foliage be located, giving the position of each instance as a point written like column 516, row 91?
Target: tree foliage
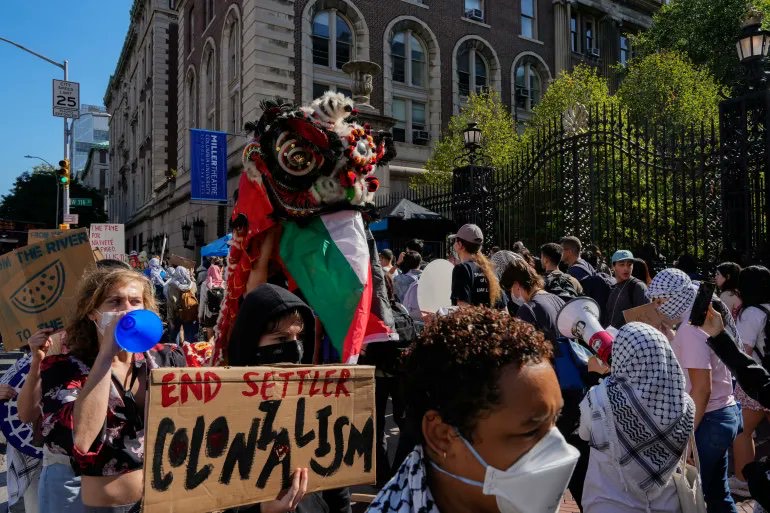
column 497, row 130
column 666, row 88
column 581, row 86
column 33, row 199
column 703, row 30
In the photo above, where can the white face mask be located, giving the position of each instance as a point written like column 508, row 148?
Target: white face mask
column 517, row 300
column 105, row 319
column 535, row 483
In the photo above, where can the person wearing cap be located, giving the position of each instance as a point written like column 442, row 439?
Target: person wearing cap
column 628, row 292
column 474, row 281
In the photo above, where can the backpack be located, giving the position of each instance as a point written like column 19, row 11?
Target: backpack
column 410, row 300
column 188, row 307
column 571, row 365
column 560, row 284
column 597, row 286
column 214, row 298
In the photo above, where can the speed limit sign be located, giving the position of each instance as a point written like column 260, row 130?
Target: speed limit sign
column 66, row 99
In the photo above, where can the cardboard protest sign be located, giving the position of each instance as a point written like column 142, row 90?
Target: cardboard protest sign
column 35, row 236
column 110, row 240
column 38, row 285
column 176, row 260
column 217, row 437
column 647, row 314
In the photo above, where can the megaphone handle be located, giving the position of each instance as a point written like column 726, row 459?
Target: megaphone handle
column 601, row 342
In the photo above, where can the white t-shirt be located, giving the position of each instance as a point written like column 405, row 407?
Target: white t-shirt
column 751, row 328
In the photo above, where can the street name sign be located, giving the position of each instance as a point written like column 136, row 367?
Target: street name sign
column 66, row 99
column 81, row 202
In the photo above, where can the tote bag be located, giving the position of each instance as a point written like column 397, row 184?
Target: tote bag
column 687, row 481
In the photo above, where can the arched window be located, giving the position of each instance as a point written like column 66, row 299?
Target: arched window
column 472, row 71
column 409, row 59
column 528, row 85
column 332, row 40
column 210, row 89
column 192, row 102
column 231, row 83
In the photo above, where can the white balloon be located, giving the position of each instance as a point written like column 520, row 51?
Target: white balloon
column 435, row 286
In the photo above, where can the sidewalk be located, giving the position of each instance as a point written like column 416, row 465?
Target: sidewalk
column 569, row 506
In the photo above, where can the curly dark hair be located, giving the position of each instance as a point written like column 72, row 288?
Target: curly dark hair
column 455, row 365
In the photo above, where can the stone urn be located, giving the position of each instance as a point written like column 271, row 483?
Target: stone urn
column 362, row 74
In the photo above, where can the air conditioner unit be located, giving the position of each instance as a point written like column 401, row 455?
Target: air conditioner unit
column 475, row 14
column 420, row 136
column 594, row 52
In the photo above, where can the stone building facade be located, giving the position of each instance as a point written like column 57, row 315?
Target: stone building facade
column 141, row 99
column 96, row 170
column 232, row 54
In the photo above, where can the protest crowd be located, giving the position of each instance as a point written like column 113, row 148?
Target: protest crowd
column 623, row 380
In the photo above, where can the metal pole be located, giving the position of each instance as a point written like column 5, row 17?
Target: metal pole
column 66, row 194
column 56, row 219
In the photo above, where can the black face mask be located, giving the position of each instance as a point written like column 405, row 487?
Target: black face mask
column 284, row 351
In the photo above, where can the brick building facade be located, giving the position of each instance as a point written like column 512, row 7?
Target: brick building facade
column 231, row 54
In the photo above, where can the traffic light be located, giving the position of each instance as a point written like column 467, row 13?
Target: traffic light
column 63, row 173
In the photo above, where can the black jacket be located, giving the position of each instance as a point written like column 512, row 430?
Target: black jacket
column 260, row 306
column 755, row 381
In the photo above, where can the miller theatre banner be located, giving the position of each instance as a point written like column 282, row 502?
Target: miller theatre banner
column 208, row 169
column 221, row 437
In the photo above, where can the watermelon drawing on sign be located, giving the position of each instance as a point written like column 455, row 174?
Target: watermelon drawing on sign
column 41, row 291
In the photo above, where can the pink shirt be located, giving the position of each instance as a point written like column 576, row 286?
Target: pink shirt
column 691, row 350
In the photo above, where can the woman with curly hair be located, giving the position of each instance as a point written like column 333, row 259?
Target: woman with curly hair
column 482, row 398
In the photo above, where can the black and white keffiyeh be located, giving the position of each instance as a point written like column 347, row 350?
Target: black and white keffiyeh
column 677, row 288
column 407, row 491
column 641, row 414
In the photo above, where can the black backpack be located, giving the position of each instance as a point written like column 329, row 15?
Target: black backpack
column 214, row 298
column 597, row 286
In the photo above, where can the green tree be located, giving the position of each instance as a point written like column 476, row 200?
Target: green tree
column 581, row 86
column 704, row 30
column 666, row 88
column 33, row 199
column 499, row 135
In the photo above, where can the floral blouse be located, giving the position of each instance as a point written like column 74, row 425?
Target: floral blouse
column 119, row 448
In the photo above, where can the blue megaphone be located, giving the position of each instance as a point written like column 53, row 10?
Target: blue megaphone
column 138, row 331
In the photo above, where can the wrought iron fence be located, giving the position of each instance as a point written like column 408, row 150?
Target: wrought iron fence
column 602, row 179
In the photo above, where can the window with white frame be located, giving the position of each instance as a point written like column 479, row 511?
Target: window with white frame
column 625, row 50
column 472, row 71
column 528, row 85
column 474, row 9
column 409, row 59
column 589, row 37
column 332, row 40
column 411, row 121
column 528, row 20
column 209, row 74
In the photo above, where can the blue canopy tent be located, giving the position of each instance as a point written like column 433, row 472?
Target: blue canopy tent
column 218, row 248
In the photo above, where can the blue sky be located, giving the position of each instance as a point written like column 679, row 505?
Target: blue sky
column 88, row 33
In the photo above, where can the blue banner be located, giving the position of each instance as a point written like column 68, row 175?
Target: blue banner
column 208, row 169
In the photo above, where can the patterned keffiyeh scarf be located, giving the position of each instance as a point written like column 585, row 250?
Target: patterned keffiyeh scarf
column 674, row 286
column 407, row 491
column 641, row 415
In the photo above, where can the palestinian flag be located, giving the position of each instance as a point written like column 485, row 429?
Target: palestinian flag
column 329, row 260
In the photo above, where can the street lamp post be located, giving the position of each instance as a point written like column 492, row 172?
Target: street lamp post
column 56, row 214
column 64, row 66
column 744, row 125
column 472, row 185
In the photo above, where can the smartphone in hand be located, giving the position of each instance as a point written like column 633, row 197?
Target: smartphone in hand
column 700, row 306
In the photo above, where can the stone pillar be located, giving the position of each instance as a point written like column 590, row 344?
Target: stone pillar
column 609, row 48
column 561, row 36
